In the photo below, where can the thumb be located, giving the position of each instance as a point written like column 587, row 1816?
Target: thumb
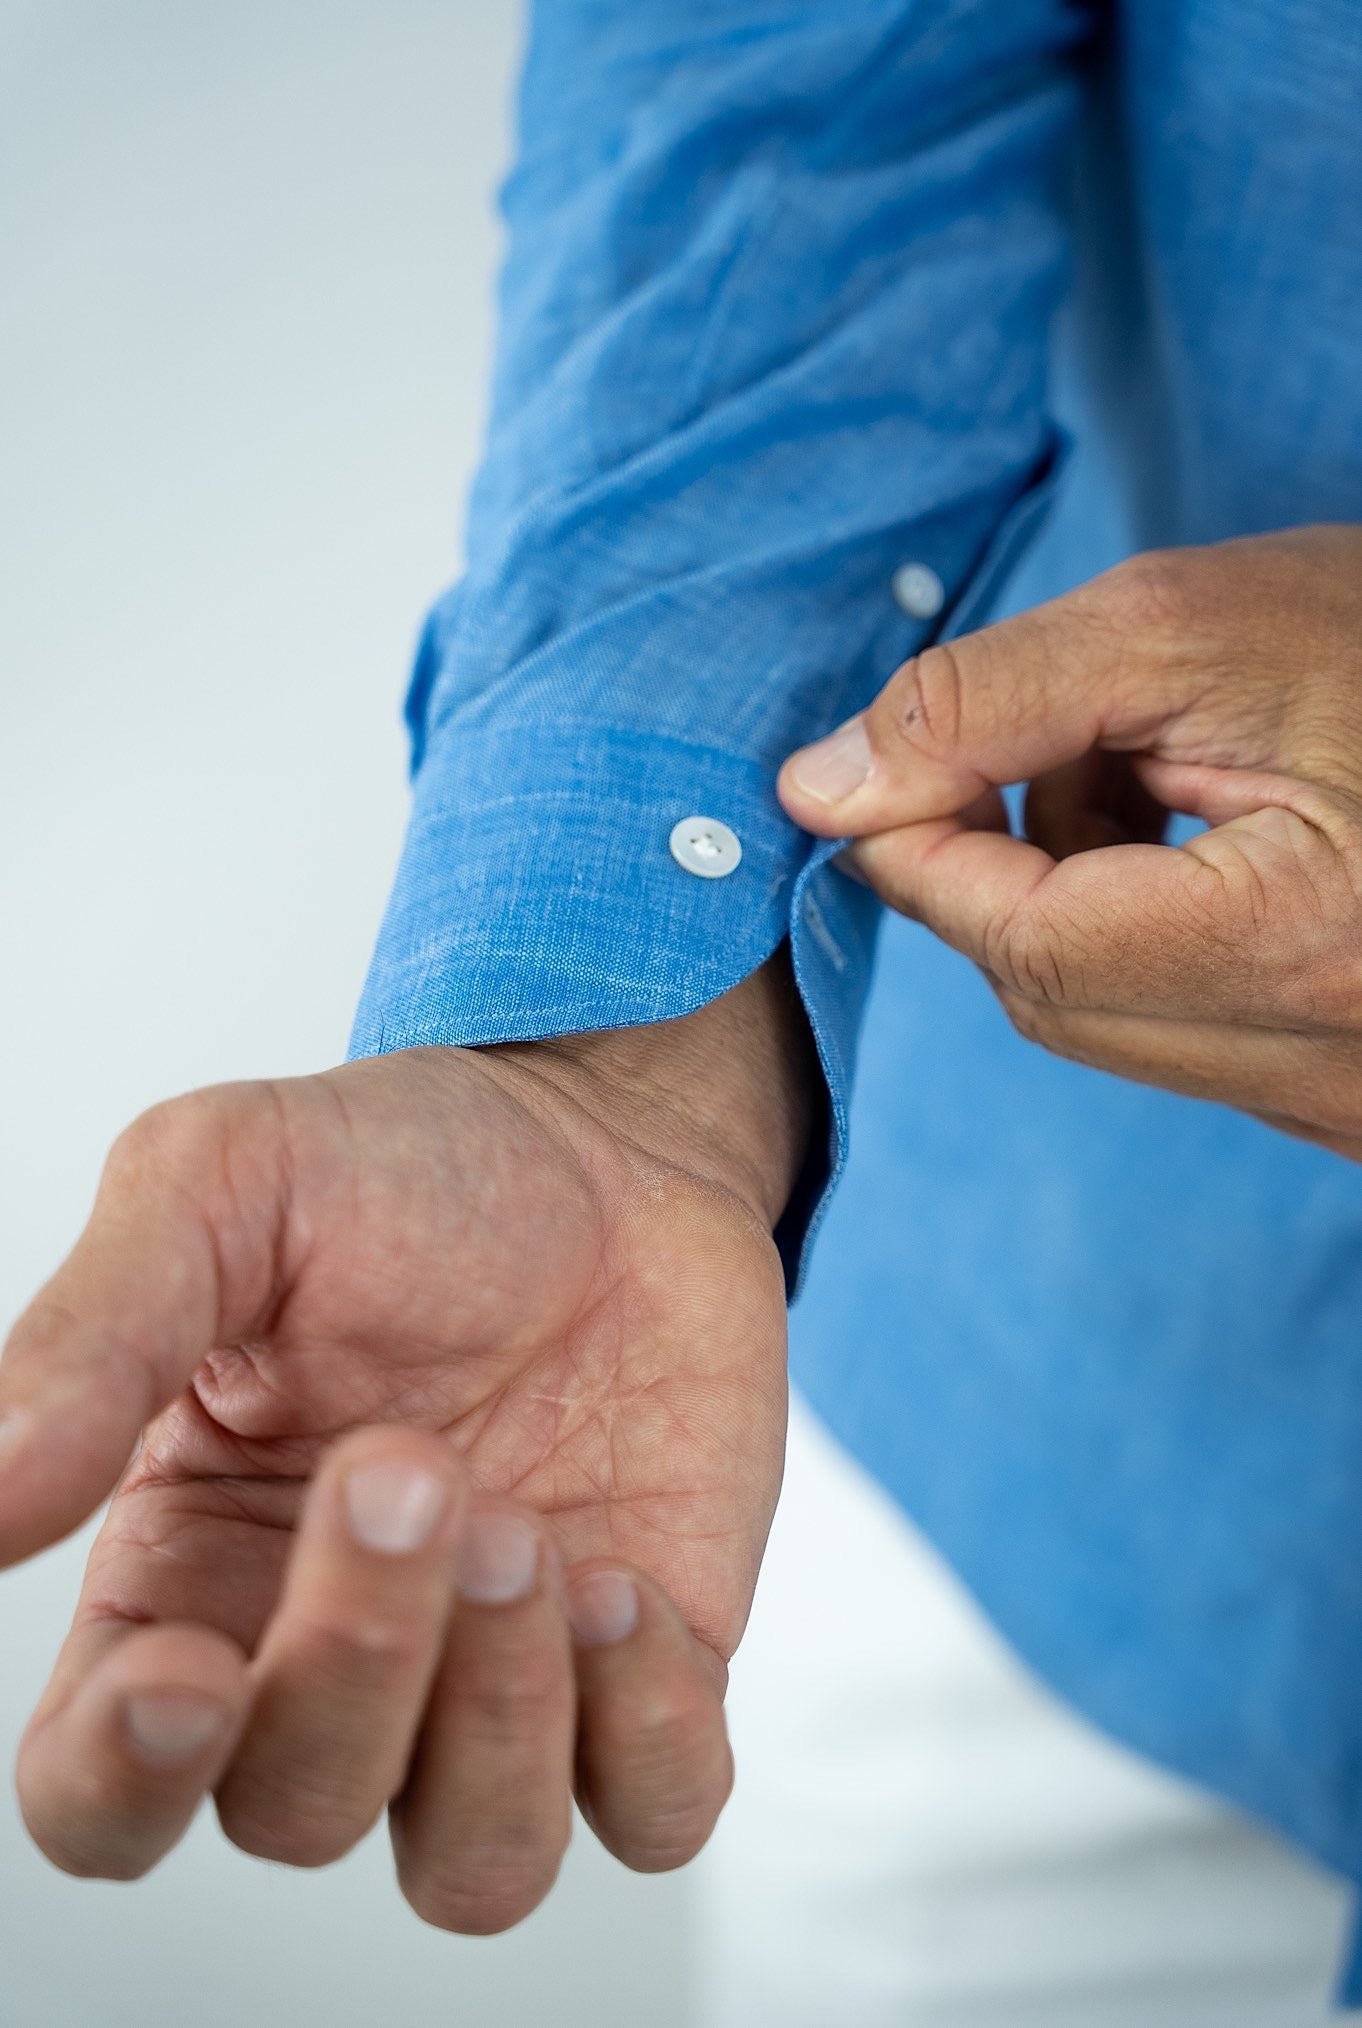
column 127, row 1319
column 1002, row 705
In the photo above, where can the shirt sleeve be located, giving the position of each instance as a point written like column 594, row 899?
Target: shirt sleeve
column 768, row 415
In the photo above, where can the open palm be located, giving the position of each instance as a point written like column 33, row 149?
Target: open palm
column 566, row 1330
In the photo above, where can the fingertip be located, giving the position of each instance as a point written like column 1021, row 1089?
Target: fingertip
column 480, row 1828
column 819, row 784
column 195, row 1664
column 654, row 1766
column 389, row 1442
column 182, row 1694
column 392, row 1491
column 603, row 1607
column 168, row 1728
column 810, row 816
column 108, row 1783
column 501, row 1555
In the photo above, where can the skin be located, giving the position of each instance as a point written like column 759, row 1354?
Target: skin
column 1224, row 682
column 541, row 1278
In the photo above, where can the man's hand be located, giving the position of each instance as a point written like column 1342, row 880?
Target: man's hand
column 459, row 1377
column 1223, row 682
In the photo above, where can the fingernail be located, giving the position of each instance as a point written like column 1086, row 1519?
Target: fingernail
column 603, row 1608
column 498, row 1558
column 393, row 1508
column 836, row 765
column 170, row 1729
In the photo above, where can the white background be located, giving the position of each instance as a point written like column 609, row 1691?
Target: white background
column 244, row 323
column 245, row 264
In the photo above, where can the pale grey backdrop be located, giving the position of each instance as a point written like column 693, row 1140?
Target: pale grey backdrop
column 244, row 322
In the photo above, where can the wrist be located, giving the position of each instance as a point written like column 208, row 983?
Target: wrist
column 730, row 1092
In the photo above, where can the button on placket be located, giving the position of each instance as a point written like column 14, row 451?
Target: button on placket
column 918, row 590
column 705, row 847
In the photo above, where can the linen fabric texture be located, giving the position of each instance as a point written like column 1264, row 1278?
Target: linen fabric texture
column 794, row 294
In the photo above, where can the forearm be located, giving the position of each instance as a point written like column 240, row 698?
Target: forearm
column 710, row 452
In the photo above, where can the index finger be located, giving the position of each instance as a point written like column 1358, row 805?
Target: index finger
column 1245, row 922
column 181, row 1579
column 1014, row 700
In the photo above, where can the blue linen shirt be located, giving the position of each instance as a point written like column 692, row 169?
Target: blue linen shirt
column 796, row 292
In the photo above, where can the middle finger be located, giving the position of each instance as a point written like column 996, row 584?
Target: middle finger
column 1314, row 1082
column 481, row 1830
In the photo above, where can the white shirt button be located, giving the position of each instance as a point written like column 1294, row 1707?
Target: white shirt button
column 705, row 846
column 918, row 589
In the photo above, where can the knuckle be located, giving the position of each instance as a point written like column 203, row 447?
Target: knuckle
column 1322, row 886
column 663, row 1725
column 177, row 1136
column 1050, row 1030
column 1149, row 594
column 1029, row 956
column 1282, row 889
column 141, row 1143
column 169, row 1126
column 166, row 1140
column 496, row 1697
column 1333, row 1102
column 670, row 1775
column 1031, row 1019
column 363, row 1655
column 925, row 700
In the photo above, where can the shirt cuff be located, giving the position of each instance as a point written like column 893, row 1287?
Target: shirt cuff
column 538, row 895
